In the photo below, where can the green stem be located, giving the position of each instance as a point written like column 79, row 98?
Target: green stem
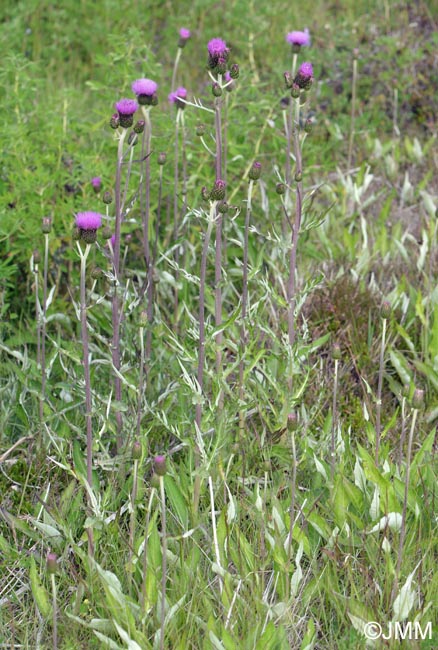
column 164, row 559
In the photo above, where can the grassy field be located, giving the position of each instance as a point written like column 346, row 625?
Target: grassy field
column 219, row 406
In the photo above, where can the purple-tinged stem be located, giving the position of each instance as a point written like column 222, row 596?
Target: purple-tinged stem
column 243, row 332
column 289, row 145
column 87, row 378
column 116, row 315
column 218, row 255
column 147, row 135
column 175, row 213
column 175, row 68
column 334, row 423
column 163, row 560
column 201, row 349
column 291, row 294
column 44, row 326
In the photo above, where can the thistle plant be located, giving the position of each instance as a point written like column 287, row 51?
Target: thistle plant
column 87, row 224
column 253, row 176
column 146, row 92
column 124, row 118
column 178, row 99
column 218, row 55
column 301, row 84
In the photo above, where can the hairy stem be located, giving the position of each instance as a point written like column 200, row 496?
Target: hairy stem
column 164, row 560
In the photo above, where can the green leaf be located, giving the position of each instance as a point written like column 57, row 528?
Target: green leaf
column 177, row 501
column 39, row 592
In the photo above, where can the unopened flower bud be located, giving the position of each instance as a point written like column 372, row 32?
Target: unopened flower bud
column 385, row 310
column 216, row 90
column 136, row 450
column 218, row 191
column 96, row 272
column 234, row 71
column 46, row 225
column 76, row 233
column 355, row 53
column 223, row 207
column 298, row 177
column 160, row 465
column 107, row 197
column 295, row 91
column 106, row 232
column 418, row 399
column 132, row 139
column 292, row 421
column 336, row 351
column 288, row 80
column 200, row 129
column 406, row 390
column 255, row 171
column 114, row 121
column 280, row 188
column 221, row 66
column 36, row 256
column 96, row 184
column 161, row 158
column 143, row 318
column 308, row 126
column 205, row 194
column 51, row 563
column 139, row 126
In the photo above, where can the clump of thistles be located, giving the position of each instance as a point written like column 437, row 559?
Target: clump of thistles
column 176, row 97
column 298, row 39
column 88, row 223
column 304, row 77
column 146, row 91
column 126, row 108
column 184, row 35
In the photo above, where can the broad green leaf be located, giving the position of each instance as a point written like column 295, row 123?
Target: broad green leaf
column 177, row 501
column 39, row 592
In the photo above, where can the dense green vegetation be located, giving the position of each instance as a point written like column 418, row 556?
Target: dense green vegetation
column 299, row 501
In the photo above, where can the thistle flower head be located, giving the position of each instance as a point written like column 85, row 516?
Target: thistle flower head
column 96, row 183
column 217, row 53
column 88, row 220
column 160, row 465
column 144, row 87
column 175, row 97
column 51, row 562
column 126, row 109
column 304, row 76
column 146, row 91
column 184, row 35
column 298, row 38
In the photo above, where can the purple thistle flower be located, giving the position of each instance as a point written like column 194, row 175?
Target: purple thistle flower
column 184, row 35
column 126, row 109
column 217, row 53
column 144, row 87
column 126, row 106
column 160, row 465
column 96, row 183
column 88, row 220
column 174, row 97
column 298, row 38
column 304, row 76
column 87, row 224
column 217, row 47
